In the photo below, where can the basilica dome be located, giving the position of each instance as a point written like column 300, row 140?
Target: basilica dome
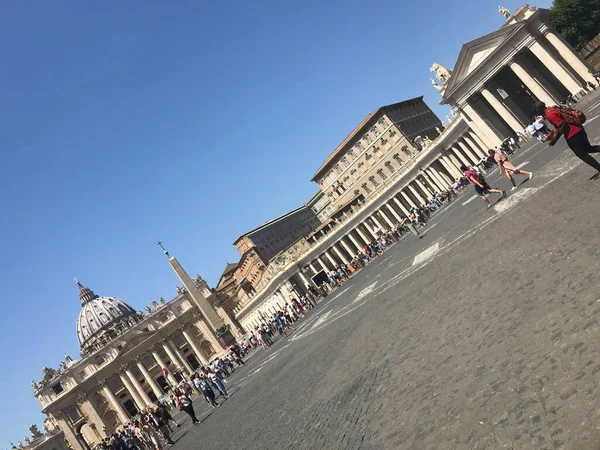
column 101, row 319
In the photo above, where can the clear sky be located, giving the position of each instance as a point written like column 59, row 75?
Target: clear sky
column 191, row 122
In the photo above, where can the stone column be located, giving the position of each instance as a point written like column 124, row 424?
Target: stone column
column 408, row 199
column 393, row 211
column 362, row 236
column 477, row 140
column 480, row 152
column 114, row 403
column 571, row 57
column 365, row 230
column 449, row 167
column 312, row 267
column 376, row 221
column 347, row 247
column 485, row 132
column 145, row 399
column 155, row 388
column 94, row 420
column 552, row 64
column 454, row 164
column 192, row 343
column 424, row 189
column 502, row 110
column 322, row 263
column 330, row 258
column 434, row 173
column 385, row 217
column 355, row 242
column 462, row 157
column 161, row 363
column 174, row 359
column 468, row 152
column 401, row 206
column 416, row 194
column 304, row 279
column 532, row 84
column 135, row 396
column 69, row 432
column 339, row 253
column 429, row 179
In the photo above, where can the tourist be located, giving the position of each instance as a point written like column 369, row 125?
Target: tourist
column 209, row 394
column 217, row 383
column 160, row 425
column 163, row 412
column 480, row 185
column 184, row 403
column 505, row 166
column 575, row 135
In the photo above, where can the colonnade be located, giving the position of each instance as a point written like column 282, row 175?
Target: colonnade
column 387, row 211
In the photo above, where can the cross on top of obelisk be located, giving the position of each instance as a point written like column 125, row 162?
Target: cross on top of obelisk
column 160, row 244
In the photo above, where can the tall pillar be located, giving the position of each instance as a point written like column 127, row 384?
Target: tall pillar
column 151, row 382
column 174, row 359
column 312, row 267
column 305, row 280
column 454, row 164
column 374, row 218
column 445, row 178
column 322, row 263
column 367, row 231
column 69, row 432
column 432, row 181
column 448, row 166
column 485, row 131
column 347, row 247
column 394, row 213
column 416, row 194
column 468, row 152
column 94, row 419
column 192, row 343
column 476, row 148
column 362, row 236
column 434, row 174
column 140, row 389
column 571, row 57
column 114, row 403
column 532, row 84
column 552, row 64
column 462, row 157
column 339, row 253
column 210, row 315
column 358, row 246
column 162, row 365
column 408, row 199
column 424, row 189
column 502, row 110
column 402, row 207
column 385, row 217
column 135, row 396
column 477, row 140
column 330, row 258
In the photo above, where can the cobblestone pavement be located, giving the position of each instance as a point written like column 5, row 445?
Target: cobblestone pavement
column 489, row 340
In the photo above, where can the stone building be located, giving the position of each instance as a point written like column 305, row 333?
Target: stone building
column 498, row 77
column 376, row 149
column 496, row 80
column 130, row 359
column 321, row 205
column 52, row 439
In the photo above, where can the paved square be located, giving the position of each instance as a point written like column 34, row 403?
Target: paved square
column 493, row 342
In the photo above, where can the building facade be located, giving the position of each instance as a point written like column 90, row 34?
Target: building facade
column 376, row 149
column 130, row 359
column 321, row 206
column 496, row 80
column 498, row 77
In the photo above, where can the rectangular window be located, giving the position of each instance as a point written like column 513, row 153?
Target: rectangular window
column 397, row 159
column 366, row 188
column 406, row 151
column 383, row 122
column 338, row 169
column 375, row 131
column 58, row 388
column 373, row 181
column 381, row 174
column 351, row 154
column 360, row 147
column 389, row 167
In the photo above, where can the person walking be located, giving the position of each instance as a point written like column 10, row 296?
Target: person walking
column 480, row 185
column 576, row 137
column 184, row 403
column 505, row 166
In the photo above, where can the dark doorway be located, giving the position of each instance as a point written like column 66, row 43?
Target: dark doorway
column 191, row 358
column 162, row 382
column 130, row 407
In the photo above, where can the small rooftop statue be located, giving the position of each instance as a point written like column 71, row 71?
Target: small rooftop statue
column 505, row 12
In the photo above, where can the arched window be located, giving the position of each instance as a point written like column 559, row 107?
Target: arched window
column 381, row 174
column 388, row 166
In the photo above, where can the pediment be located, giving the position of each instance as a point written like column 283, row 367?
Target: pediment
column 475, row 53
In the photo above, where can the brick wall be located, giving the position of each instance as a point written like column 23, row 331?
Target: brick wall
column 591, row 52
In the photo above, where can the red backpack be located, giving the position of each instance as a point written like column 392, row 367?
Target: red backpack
column 572, row 116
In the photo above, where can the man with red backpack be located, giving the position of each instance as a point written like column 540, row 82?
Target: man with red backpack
column 569, row 123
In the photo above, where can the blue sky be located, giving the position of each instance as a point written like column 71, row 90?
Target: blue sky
column 191, row 122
